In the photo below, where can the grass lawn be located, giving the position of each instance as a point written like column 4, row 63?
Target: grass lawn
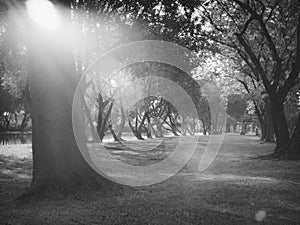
column 235, row 189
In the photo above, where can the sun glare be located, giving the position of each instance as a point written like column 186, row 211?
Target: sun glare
column 43, row 13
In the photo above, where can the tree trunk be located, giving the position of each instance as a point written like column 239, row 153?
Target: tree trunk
column 90, row 120
column 172, row 125
column 159, row 133
column 293, row 151
column 116, row 138
column 122, row 124
column 242, row 126
column 280, row 125
column 183, row 127
column 263, row 130
column 24, row 122
column 268, row 130
column 205, row 127
column 135, row 131
column 103, row 116
column 191, row 128
column 149, row 127
column 57, row 161
column 260, row 119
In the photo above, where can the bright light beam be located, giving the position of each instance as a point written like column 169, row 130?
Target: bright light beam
column 43, row 13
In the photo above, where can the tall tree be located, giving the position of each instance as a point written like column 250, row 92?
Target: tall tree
column 57, row 161
column 265, row 34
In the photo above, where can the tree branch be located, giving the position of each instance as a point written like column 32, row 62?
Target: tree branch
column 274, row 52
column 294, row 74
column 207, row 14
column 250, row 65
column 256, row 62
column 246, row 25
column 227, row 12
column 272, row 9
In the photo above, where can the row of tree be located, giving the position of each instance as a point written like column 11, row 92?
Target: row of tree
column 257, row 40
column 107, row 102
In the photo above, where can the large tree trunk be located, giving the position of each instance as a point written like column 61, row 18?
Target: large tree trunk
column 293, row 151
column 280, row 125
column 57, row 161
column 268, row 128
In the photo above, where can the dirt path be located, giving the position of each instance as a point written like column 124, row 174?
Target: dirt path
column 235, row 189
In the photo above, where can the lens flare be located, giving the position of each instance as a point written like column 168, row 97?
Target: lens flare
column 186, row 150
column 43, row 13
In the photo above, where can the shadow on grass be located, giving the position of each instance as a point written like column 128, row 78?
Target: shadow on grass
column 234, row 190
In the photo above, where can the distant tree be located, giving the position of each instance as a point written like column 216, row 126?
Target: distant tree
column 236, row 108
column 13, row 98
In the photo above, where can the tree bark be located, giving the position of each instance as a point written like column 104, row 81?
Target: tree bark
column 280, row 124
column 57, row 161
column 268, row 128
column 293, row 151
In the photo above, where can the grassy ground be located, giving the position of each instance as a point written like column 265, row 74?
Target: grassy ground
column 236, row 189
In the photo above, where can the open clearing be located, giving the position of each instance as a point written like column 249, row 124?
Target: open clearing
column 236, row 189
